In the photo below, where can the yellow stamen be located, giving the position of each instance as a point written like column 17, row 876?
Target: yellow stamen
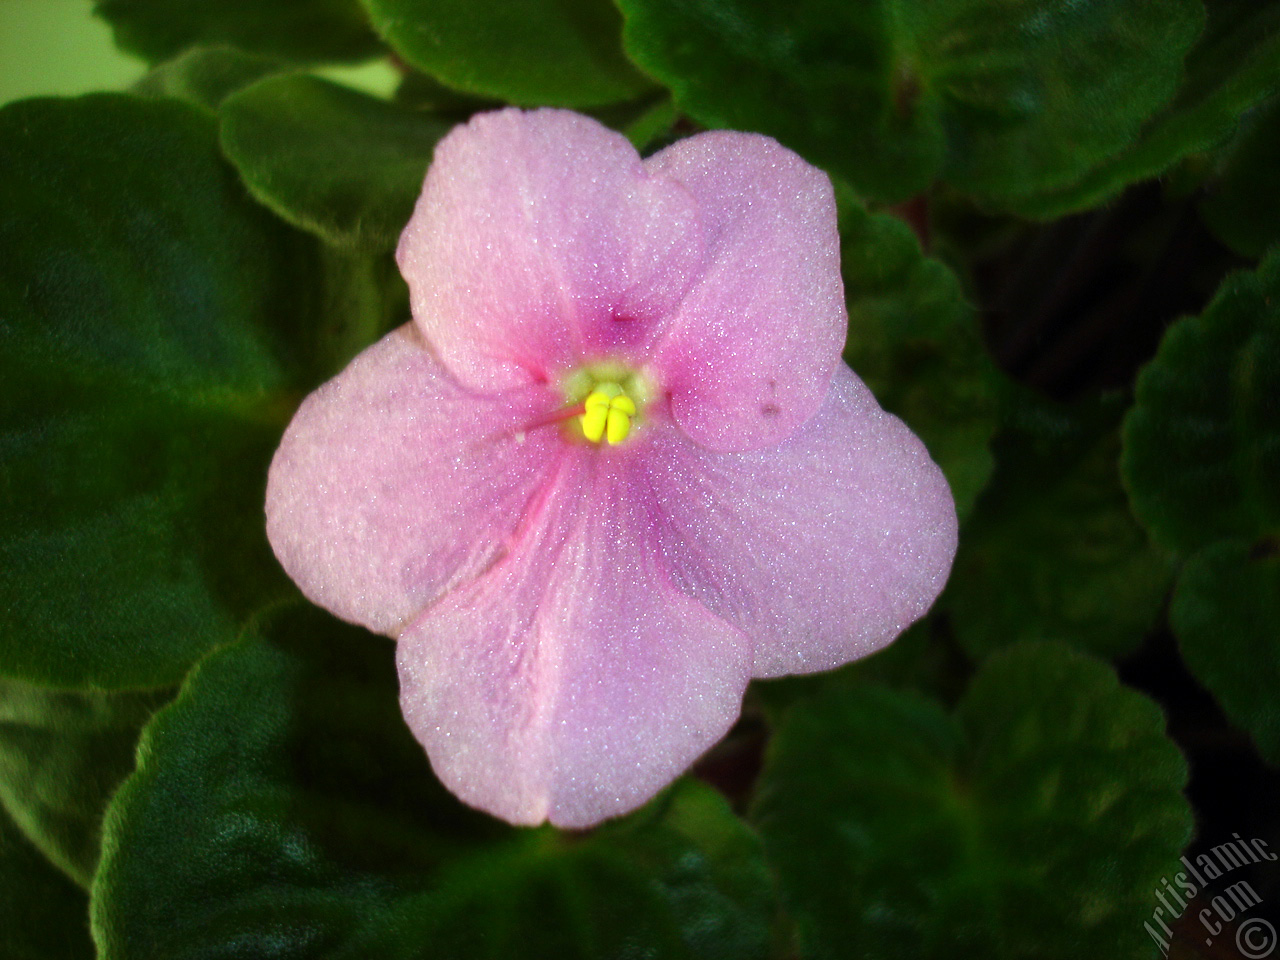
column 607, row 415
column 594, row 421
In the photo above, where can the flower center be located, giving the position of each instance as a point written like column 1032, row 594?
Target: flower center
column 611, row 399
column 608, row 414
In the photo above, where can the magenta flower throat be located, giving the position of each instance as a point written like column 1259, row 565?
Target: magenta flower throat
column 614, row 467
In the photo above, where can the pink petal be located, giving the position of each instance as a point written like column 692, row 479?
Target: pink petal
column 821, row 550
column 540, row 241
column 573, row 681
column 751, row 350
column 393, row 483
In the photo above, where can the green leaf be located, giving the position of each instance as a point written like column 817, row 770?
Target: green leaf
column 921, row 660
column 1242, row 201
column 358, row 300
column 563, row 53
column 899, row 831
column 43, row 915
column 1233, row 66
column 1225, row 613
column 147, row 308
column 652, row 125
column 62, row 755
column 1202, row 442
column 282, row 808
column 914, row 339
column 820, row 77
column 1052, row 552
column 1001, row 98
column 647, row 122
column 205, row 76
column 425, row 94
column 307, row 31
column 340, row 164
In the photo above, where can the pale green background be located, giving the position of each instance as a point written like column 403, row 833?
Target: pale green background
column 58, row 48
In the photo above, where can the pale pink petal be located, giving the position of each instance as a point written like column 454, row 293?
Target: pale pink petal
column 540, row 241
column 573, row 681
column 393, row 484
column 751, row 350
column 822, row 549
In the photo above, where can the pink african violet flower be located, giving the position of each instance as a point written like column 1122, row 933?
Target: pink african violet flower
column 577, row 618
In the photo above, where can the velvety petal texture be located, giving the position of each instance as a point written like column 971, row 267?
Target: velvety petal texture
column 822, row 549
column 577, row 620
column 393, row 483
column 750, row 351
column 574, row 680
column 540, row 241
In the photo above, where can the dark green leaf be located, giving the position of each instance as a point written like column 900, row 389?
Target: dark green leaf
column 647, row 122
column 425, row 94
column 821, row 77
column 914, row 340
column 341, row 164
column 1225, row 613
column 43, row 915
column 898, row 831
column 651, row 125
column 308, row 31
column 62, row 755
column 1202, row 442
column 1087, row 76
column 359, row 299
column 146, row 306
column 282, row 809
column 1052, row 551
column 205, row 76
column 919, row 661
column 565, row 53
column 1242, row 202
column 1234, row 65
column 1001, row 98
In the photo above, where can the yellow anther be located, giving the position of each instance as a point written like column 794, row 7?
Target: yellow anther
column 618, row 425
column 607, row 414
column 594, row 420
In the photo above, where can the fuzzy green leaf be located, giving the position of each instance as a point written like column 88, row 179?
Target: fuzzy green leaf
column 899, row 831
column 1202, row 442
column 340, row 164
column 205, row 76
column 307, row 31
column 282, row 808
column 1234, row 65
column 149, row 311
column 1242, row 199
column 62, row 755
column 921, row 660
column 914, row 339
column 1000, row 98
column 1225, row 613
column 1052, row 552
column 563, row 53
column 43, row 915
